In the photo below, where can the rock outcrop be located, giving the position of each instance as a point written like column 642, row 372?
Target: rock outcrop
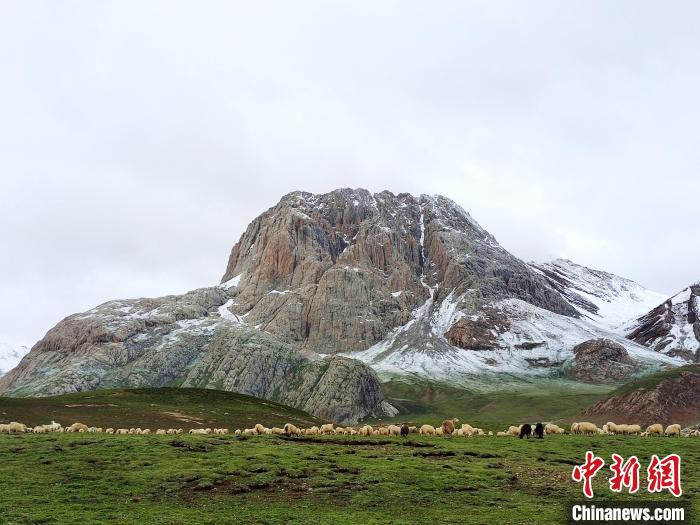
column 601, row 361
column 192, row 340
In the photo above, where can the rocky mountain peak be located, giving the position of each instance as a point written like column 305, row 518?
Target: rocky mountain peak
column 326, row 294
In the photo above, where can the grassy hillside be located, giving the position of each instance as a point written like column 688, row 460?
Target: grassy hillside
column 546, row 400
column 152, row 408
column 652, row 380
column 97, row 478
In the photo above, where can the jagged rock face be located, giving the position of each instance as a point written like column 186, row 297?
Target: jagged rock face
column 405, row 284
column 672, row 400
column 673, row 327
column 479, row 333
column 337, row 272
column 192, row 340
column 601, row 361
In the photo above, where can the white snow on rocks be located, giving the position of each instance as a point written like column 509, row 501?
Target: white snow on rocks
column 615, row 299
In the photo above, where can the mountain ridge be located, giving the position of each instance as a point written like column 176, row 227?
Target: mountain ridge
column 320, row 294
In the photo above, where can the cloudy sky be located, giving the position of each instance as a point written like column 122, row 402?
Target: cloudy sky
column 138, row 139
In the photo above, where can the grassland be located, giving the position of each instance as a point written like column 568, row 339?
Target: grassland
column 97, row 478
column 556, row 401
column 152, row 408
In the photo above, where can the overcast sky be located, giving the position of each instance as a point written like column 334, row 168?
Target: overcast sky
column 138, row 139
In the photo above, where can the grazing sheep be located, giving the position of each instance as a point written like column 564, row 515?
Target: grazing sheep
column 109, row 431
column 490, row 433
column 146, row 431
column 383, row 431
column 291, row 430
column 412, row 430
column 260, row 429
column 203, row 431
column 404, row 430
column 237, row 432
column 673, row 430
column 439, row 431
column 448, row 426
column 326, row 429
column 628, row 429
column 77, row 427
column 467, row 429
column 394, row 430
column 574, row 428
column 514, row 431
column 502, row 434
column 525, row 431
column 277, row 431
column 655, row 429
column 366, row 430
column 122, row 431
column 611, row 428
column 585, row 427
column 551, row 428
column 427, row 430
column 539, row 430
column 160, row 432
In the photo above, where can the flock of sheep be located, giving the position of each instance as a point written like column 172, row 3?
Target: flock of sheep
column 447, row 428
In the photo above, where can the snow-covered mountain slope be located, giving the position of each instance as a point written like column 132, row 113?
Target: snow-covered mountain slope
column 517, row 339
column 10, row 356
column 673, row 327
column 606, row 299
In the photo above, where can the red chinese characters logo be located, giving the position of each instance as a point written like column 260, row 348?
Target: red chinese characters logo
column 662, row 474
column 625, row 474
column 665, row 474
column 587, row 472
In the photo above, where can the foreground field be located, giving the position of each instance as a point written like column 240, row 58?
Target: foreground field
column 97, row 478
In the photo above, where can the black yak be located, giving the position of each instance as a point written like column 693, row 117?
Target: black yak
column 404, row 430
column 525, row 430
column 539, row 431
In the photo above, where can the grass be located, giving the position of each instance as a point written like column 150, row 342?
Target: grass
column 152, row 408
column 546, row 400
column 96, row 478
column 650, row 381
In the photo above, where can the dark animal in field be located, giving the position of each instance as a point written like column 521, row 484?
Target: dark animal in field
column 539, row 430
column 448, row 426
column 404, row 430
column 525, row 430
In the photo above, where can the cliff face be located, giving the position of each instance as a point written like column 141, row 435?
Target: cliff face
column 318, row 288
column 192, row 340
column 337, row 272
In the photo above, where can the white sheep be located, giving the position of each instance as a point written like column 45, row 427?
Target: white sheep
column 427, row 430
column 673, row 430
column 292, row 430
column 655, row 429
column 366, row 430
column 551, row 428
column 327, row 428
column 584, row 427
column 394, row 430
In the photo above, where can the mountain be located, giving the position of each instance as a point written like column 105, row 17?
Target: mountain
column 604, row 298
column 10, row 356
column 673, row 327
column 319, row 287
column 665, row 397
